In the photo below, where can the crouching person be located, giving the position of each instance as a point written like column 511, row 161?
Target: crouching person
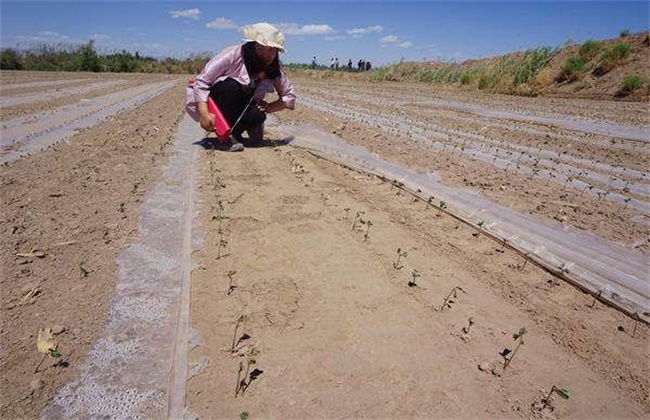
column 237, row 79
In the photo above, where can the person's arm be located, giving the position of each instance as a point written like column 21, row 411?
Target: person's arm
column 286, row 93
column 218, row 66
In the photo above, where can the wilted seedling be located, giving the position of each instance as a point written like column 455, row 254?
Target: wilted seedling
column 357, row 218
column 470, row 322
column 452, row 295
column 627, row 201
column 480, row 224
column 221, row 244
column 415, row 274
column 46, row 344
column 519, row 338
column 596, row 297
column 400, row 254
column 231, row 287
column 441, row 206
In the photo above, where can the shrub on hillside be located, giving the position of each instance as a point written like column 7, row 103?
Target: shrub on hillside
column 631, row 82
column 573, row 68
column 590, row 49
column 611, row 58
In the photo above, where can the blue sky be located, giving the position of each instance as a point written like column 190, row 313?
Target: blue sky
column 380, row 31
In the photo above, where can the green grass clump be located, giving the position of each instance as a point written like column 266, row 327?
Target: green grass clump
column 531, row 63
column 612, row 57
column 631, row 82
column 572, row 69
column 465, row 79
column 589, row 49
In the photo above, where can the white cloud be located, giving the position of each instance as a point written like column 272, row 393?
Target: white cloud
column 405, row 44
column 186, row 14
column 390, row 39
column 100, row 37
column 222, row 23
column 45, row 36
column 335, row 38
column 366, row 30
column 295, row 29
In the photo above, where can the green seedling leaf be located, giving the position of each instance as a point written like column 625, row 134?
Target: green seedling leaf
column 563, row 392
column 519, row 334
column 243, row 416
column 55, row 353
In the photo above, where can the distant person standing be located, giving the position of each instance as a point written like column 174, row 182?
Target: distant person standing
column 313, row 63
column 368, row 65
column 332, row 64
column 361, row 65
column 336, row 63
column 350, row 64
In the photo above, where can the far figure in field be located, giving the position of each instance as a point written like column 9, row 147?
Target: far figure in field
column 313, row 63
column 350, row 64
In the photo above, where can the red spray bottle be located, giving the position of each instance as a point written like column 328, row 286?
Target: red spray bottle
column 221, row 126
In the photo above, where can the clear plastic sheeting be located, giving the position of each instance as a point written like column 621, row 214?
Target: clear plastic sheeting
column 613, row 272
column 32, row 133
column 131, row 369
column 7, row 101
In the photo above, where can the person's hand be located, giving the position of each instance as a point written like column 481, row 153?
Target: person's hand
column 270, row 107
column 207, row 121
column 262, row 105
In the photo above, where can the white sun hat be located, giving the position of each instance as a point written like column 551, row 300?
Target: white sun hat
column 265, row 34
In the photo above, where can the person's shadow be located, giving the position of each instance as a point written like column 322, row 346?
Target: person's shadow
column 212, row 143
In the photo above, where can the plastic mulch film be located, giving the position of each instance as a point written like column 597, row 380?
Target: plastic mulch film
column 137, row 367
column 613, row 273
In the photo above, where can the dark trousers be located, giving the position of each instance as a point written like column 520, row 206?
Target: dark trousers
column 231, row 97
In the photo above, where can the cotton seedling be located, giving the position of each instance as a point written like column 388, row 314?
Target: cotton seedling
column 441, row 206
column 241, row 319
column 519, row 338
column 452, row 295
column 231, row 287
column 367, row 234
column 400, row 254
column 83, row 271
column 562, row 392
column 596, row 297
column 46, row 345
column 357, row 218
column 251, row 359
column 415, row 274
column 470, row 322
column 636, row 318
column 627, row 201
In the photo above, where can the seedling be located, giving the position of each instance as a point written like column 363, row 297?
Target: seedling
column 470, row 322
column 357, row 218
column 562, row 392
column 519, row 338
column 415, row 274
column 46, row 344
column 627, row 201
column 452, row 295
column 636, row 318
column 347, row 211
column 251, row 376
column 367, row 234
column 231, row 287
column 597, row 296
column 83, row 272
column 241, row 319
column 441, row 207
column 400, row 254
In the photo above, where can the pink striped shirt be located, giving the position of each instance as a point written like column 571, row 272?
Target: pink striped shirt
column 230, row 63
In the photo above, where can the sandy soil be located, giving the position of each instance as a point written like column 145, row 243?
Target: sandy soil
column 76, row 204
column 333, row 326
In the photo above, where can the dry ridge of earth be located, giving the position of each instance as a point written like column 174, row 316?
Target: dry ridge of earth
column 333, row 326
